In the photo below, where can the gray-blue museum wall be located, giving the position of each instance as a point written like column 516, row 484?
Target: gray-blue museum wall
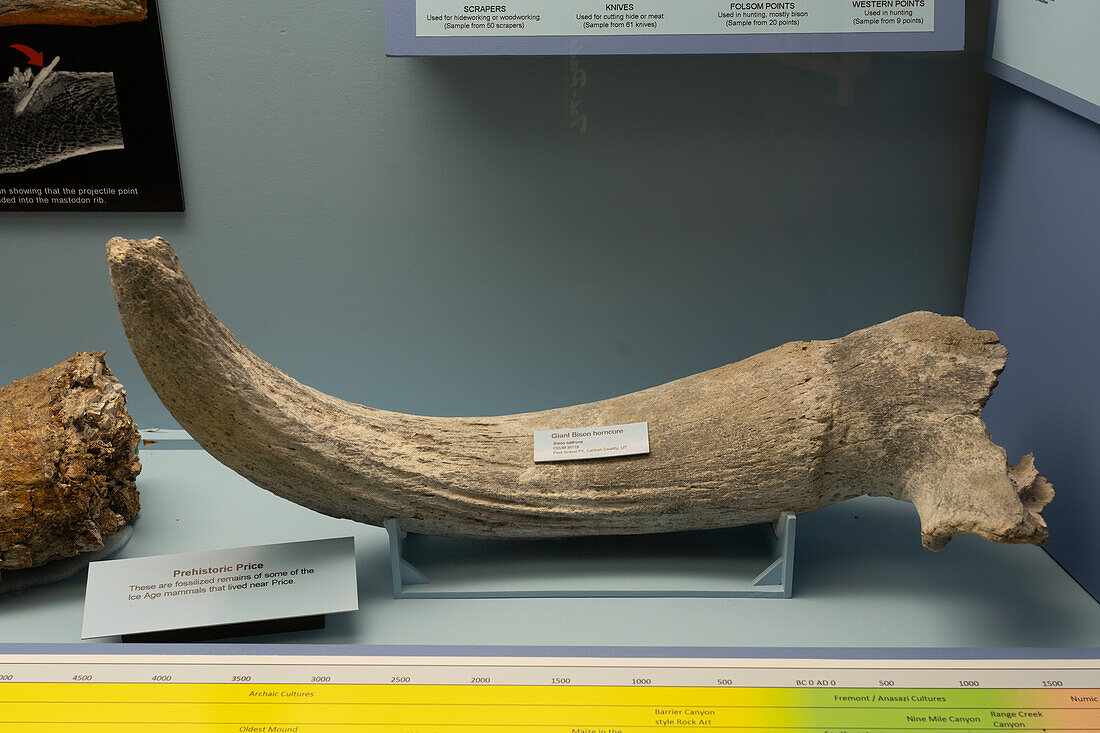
column 432, row 236
column 1034, row 279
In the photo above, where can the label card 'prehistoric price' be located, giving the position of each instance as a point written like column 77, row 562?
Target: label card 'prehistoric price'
column 200, row 589
column 575, row 444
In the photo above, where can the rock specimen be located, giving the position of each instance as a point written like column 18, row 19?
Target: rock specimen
column 71, row 12
column 68, row 463
column 892, row 410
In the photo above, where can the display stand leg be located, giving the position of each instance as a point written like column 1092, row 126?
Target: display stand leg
column 403, row 573
column 778, row 578
column 489, row 573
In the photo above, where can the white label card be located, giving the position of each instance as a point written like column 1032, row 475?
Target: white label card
column 186, row 591
column 575, row 444
column 670, row 17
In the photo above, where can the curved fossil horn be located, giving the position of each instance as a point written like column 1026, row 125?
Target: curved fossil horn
column 891, row 410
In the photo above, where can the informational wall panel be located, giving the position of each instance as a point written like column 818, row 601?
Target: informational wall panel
column 448, row 18
column 445, row 27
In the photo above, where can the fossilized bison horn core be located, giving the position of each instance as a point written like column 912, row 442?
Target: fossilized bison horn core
column 891, row 410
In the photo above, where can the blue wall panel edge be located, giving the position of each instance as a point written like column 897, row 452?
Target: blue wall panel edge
column 1032, row 84
column 1033, row 279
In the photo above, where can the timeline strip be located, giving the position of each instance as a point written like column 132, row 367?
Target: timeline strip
column 262, row 694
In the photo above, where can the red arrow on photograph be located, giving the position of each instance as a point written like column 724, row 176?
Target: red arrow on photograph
column 34, row 56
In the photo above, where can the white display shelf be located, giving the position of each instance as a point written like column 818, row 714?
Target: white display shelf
column 862, row 580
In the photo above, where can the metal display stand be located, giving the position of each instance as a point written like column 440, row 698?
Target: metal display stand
column 704, row 564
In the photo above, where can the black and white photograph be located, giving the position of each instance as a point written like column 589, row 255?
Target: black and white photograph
column 85, row 113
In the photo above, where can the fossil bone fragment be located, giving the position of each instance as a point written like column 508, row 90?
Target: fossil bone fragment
column 68, row 464
column 891, row 410
column 71, row 12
